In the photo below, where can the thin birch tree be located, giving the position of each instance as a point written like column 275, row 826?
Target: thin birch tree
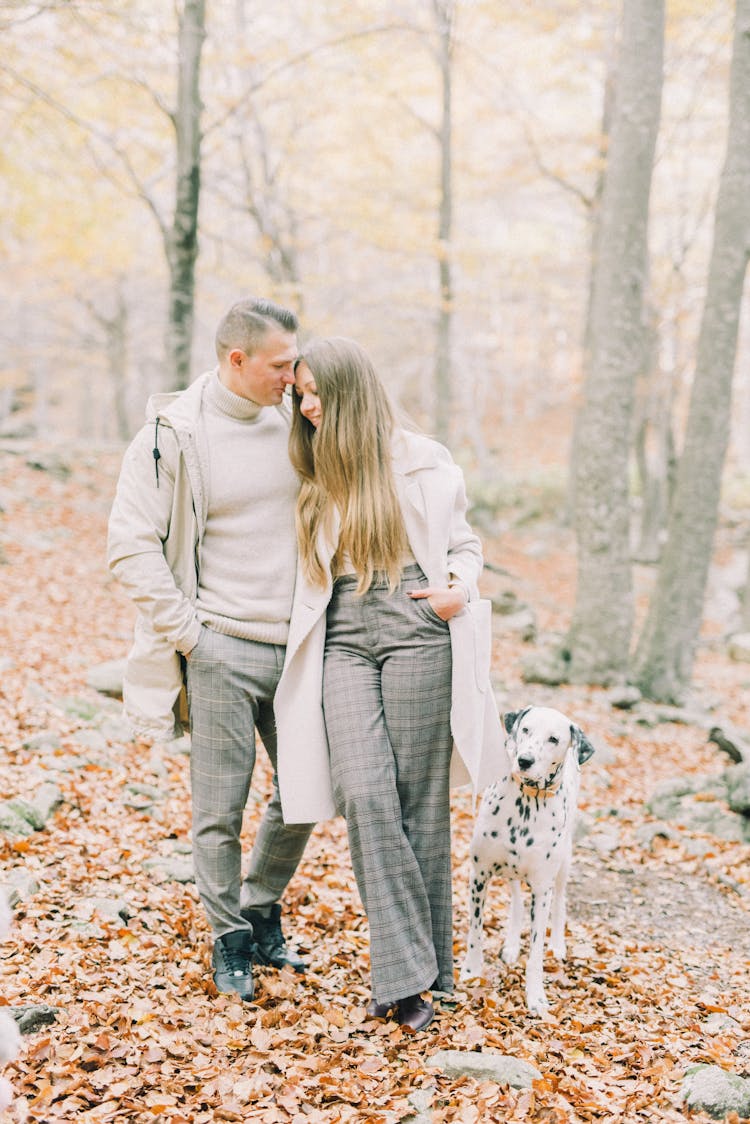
column 181, row 238
column 600, row 632
column 444, row 14
column 664, row 658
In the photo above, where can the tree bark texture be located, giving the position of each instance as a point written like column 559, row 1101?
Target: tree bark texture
column 664, row 659
column 182, row 237
column 444, row 15
column 600, row 632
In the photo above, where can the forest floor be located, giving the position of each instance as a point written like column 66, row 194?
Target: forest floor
column 656, row 978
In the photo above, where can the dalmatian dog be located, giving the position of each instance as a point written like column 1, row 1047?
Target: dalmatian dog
column 524, row 830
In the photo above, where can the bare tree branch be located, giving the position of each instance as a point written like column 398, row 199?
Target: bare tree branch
column 295, row 60
column 99, row 135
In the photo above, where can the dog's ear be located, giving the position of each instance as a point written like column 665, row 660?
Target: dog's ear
column 583, row 747
column 509, row 718
column 512, row 717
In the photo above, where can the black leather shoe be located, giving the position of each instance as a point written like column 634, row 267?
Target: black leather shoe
column 232, row 960
column 414, row 1012
column 377, row 1010
column 271, row 948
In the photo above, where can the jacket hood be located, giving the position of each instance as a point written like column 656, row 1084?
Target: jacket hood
column 179, row 408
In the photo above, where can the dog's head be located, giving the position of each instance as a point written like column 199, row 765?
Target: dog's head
column 538, row 741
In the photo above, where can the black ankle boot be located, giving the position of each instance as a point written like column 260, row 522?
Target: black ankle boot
column 271, row 947
column 414, row 1012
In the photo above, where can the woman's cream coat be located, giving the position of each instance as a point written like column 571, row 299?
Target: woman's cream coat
column 431, row 492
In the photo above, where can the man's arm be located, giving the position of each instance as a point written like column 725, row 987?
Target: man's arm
column 138, row 527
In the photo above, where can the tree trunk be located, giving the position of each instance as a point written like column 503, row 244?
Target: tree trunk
column 594, row 217
column 444, row 15
column 664, row 659
column 654, row 450
column 600, row 632
column 117, row 350
column 745, row 597
column 182, row 237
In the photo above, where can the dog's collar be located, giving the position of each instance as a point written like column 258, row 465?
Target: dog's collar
column 538, row 790
column 543, row 791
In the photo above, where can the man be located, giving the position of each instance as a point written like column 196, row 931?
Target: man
column 202, row 537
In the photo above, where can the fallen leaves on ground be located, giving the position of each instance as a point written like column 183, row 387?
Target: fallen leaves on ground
column 141, row 1035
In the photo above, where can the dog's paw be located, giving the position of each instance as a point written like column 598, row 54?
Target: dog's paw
column 510, row 952
column 537, row 1004
column 472, row 968
column 557, row 948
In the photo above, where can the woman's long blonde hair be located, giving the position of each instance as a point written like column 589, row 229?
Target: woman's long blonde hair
column 346, row 464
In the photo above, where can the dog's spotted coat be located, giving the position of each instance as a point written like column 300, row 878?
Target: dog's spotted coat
column 524, row 831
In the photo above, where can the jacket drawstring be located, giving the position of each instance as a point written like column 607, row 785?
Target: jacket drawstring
column 156, row 452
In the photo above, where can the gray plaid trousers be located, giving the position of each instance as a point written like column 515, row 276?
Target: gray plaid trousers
column 387, row 699
column 231, row 684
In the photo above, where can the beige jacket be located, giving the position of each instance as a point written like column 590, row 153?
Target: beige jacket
column 432, row 495
column 155, row 532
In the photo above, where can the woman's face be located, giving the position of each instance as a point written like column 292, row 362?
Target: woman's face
column 307, row 392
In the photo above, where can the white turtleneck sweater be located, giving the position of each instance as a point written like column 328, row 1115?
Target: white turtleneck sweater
column 249, row 551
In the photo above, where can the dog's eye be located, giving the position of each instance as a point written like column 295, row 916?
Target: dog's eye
column 524, row 729
column 554, row 740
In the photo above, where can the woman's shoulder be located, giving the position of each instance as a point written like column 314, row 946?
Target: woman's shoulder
column 413, row 451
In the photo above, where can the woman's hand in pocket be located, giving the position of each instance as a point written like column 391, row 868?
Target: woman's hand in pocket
column 445, row 601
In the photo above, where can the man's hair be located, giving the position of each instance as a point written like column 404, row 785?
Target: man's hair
column 248, row 322
column 346, row 464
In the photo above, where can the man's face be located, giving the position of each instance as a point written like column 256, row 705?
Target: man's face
column 263, row 376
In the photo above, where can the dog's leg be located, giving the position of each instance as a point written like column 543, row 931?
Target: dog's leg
column 541, row 900
column 473, row 965
column 512, row 942
column 559, row 911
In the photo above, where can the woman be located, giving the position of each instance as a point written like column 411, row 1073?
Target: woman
column 388, row 568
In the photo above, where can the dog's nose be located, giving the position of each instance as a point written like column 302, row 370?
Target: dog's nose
column 525, row 763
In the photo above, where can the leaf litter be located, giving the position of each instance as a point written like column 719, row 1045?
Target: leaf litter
column 140, row 1034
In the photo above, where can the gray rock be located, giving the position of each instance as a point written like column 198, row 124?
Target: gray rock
column 603, row 842
column 739, row 647
column 732, row 741
column 117, row 729
column 506, row 603
column 12, row 822
column 682, row 800
column 80, row 708
column 107, row 678
column 26, row 810
column 738, row 788
column 46, row 799
column 51, row 463
column 109, row 909
column 648, row 832
column 64, row 762
column 46, row 740
column 625, row 698
column 549, row 668
column 38, row 810
column 522, row 623
column 697, row 847
column 91, row 739
column 31, row 1018
column 487, row 1066
column 171, row 868
column 718, row 1023
column 708, row 1088
column 606, row 754
column 148, row 790
column 19, row 885
column 421, row 1101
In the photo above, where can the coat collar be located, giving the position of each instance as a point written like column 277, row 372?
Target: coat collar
column 412, row 452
